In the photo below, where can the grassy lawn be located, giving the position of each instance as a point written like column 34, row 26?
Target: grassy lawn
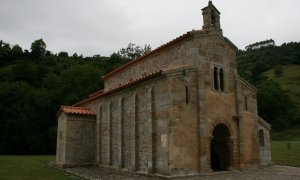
column 34, row 167
column 29, row 167
column 286, row 152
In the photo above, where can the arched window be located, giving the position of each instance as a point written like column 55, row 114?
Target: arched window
column 219, row 83
column 216, row 83
column 221, row 79
column 261, row 137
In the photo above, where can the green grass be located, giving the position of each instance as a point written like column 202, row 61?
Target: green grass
column 29, row 167
column 289, row 81
column 286, row 152
column 34, row 167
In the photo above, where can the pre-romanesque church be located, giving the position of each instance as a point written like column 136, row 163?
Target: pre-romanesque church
column 181, row 109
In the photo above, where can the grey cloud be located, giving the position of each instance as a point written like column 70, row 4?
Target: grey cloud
column 104, row 26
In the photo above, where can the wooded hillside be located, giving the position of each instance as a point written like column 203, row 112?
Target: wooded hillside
column 274, row 71
column 33, row 85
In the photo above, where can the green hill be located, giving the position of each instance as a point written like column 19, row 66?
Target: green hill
column 33, row 85
column 289, row 81
column 275, row 71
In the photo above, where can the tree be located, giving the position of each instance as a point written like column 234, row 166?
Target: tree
column 6, row 45
column 114, row 61
column 6, row 54
column 278, row 71
column 63, row 54
column 17, row 50
column 79, row 81
column 48, row 53
column 147, row 48
column 133, row 51
column 75, row 55
column 25, row 72
column 279, row 111
column 38, row 48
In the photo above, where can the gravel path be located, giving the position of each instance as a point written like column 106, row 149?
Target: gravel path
column 272, row 173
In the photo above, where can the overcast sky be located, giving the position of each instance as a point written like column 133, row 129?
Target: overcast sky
column 91, row 27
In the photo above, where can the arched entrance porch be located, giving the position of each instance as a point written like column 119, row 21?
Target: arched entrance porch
column 220, row 149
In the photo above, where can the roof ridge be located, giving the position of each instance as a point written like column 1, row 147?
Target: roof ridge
column 75, row 107
column 76, row 110
column 96, row 93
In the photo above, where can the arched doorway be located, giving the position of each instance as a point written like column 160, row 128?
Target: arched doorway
column 220, row 148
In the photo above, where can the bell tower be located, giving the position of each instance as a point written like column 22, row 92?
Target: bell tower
column 211, row 18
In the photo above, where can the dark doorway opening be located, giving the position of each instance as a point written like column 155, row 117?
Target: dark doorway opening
column 219, row 148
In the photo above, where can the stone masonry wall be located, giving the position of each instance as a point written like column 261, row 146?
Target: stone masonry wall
column 61, row 139
column 216, row 106
column 248, row 121
column 80, row 144
column 133, row 125
column 129, row 140
column 184, row 134
column 171, row 58
column 143, row 119
column 104, row 115
column 116, row 132
column 264, row 149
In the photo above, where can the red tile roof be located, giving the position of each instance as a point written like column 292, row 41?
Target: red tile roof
column 174, row 41
column 76, row 110
column 96, row 93
column 102, row 93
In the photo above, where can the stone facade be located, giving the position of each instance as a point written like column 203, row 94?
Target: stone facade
column 75, row 140
column 264, row 142
column 181, row 109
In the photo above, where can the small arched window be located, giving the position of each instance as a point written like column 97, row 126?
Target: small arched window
column 221, row 79
column 261, row 137
column 219, row 83
column 216, row 83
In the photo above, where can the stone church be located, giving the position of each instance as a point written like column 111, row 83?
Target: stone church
column 181, row 109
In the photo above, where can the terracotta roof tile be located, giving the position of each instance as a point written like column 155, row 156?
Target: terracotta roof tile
column 96, row 93
column 76, row 110
column 174, row 41
column 119, row 87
